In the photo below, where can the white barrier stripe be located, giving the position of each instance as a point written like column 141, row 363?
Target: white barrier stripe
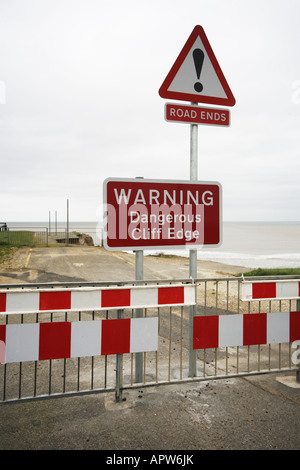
column 287, row 289
column 22, row 342
column 81, row 300
column 230, row 330
column 86, row 338
column 143, row 334
column 246, row 291
column 189, row 295
column 278, row 327
column 144, row 297
column 23, row 302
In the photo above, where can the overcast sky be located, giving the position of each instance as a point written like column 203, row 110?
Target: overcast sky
column 79, row 103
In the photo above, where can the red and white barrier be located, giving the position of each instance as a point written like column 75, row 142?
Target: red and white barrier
column 90, row 298
column 262, row 290
column 218, row 331
column 44, row 341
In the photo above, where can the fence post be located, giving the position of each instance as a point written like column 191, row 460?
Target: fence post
column 119, row 369
column 7, row 235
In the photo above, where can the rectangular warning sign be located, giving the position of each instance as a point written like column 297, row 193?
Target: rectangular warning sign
column 197, row 115
column 150, row 214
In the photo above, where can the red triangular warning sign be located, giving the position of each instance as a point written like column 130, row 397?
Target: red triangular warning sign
column 196, row 75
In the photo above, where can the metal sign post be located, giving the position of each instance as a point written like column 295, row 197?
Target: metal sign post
column 193, row 253
column 139, row 275
column 196, row 76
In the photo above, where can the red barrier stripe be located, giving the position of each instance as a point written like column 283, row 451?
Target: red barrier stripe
column 170, row 295
column 115, row 298
column 55, row 300
column 294, row 326
column 206, row 332
column 2, row 343
column 2, row 302
column 255, row 328
column 264, row 290
column 2, row 333
column 55, row 340
column 115, row 336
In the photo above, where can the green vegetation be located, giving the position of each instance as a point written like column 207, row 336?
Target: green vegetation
column 17, row 238
column 273, row 272
column 5, row 253
column 162, row 255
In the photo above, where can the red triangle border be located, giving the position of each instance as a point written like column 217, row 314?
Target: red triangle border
column 163, row 91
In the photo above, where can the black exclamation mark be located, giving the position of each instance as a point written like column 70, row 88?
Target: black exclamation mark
column 198, row 56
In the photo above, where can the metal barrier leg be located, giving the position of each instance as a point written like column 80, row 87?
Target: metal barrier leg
column 139, row 313
column 119, row 378
column 119, row 370
column 192, row 352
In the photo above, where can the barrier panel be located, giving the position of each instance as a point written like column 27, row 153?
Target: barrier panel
column 267, row 290
column 62, row 340
column 22, row 301
column 65, row 339
column 246, row 330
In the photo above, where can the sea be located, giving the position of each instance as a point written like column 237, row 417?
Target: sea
column 247, row 244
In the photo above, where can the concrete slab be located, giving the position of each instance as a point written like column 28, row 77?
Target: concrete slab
column 289, row 381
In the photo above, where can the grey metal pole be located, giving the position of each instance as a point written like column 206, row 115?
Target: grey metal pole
column 193, row 253
column 119, row 370
column 139, row 312
column 67, row 222
column 139, row 276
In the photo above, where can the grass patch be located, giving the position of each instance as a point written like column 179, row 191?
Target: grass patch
column 17, row 238
column 273, row 272
column 162, row 255
column 5, row 253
